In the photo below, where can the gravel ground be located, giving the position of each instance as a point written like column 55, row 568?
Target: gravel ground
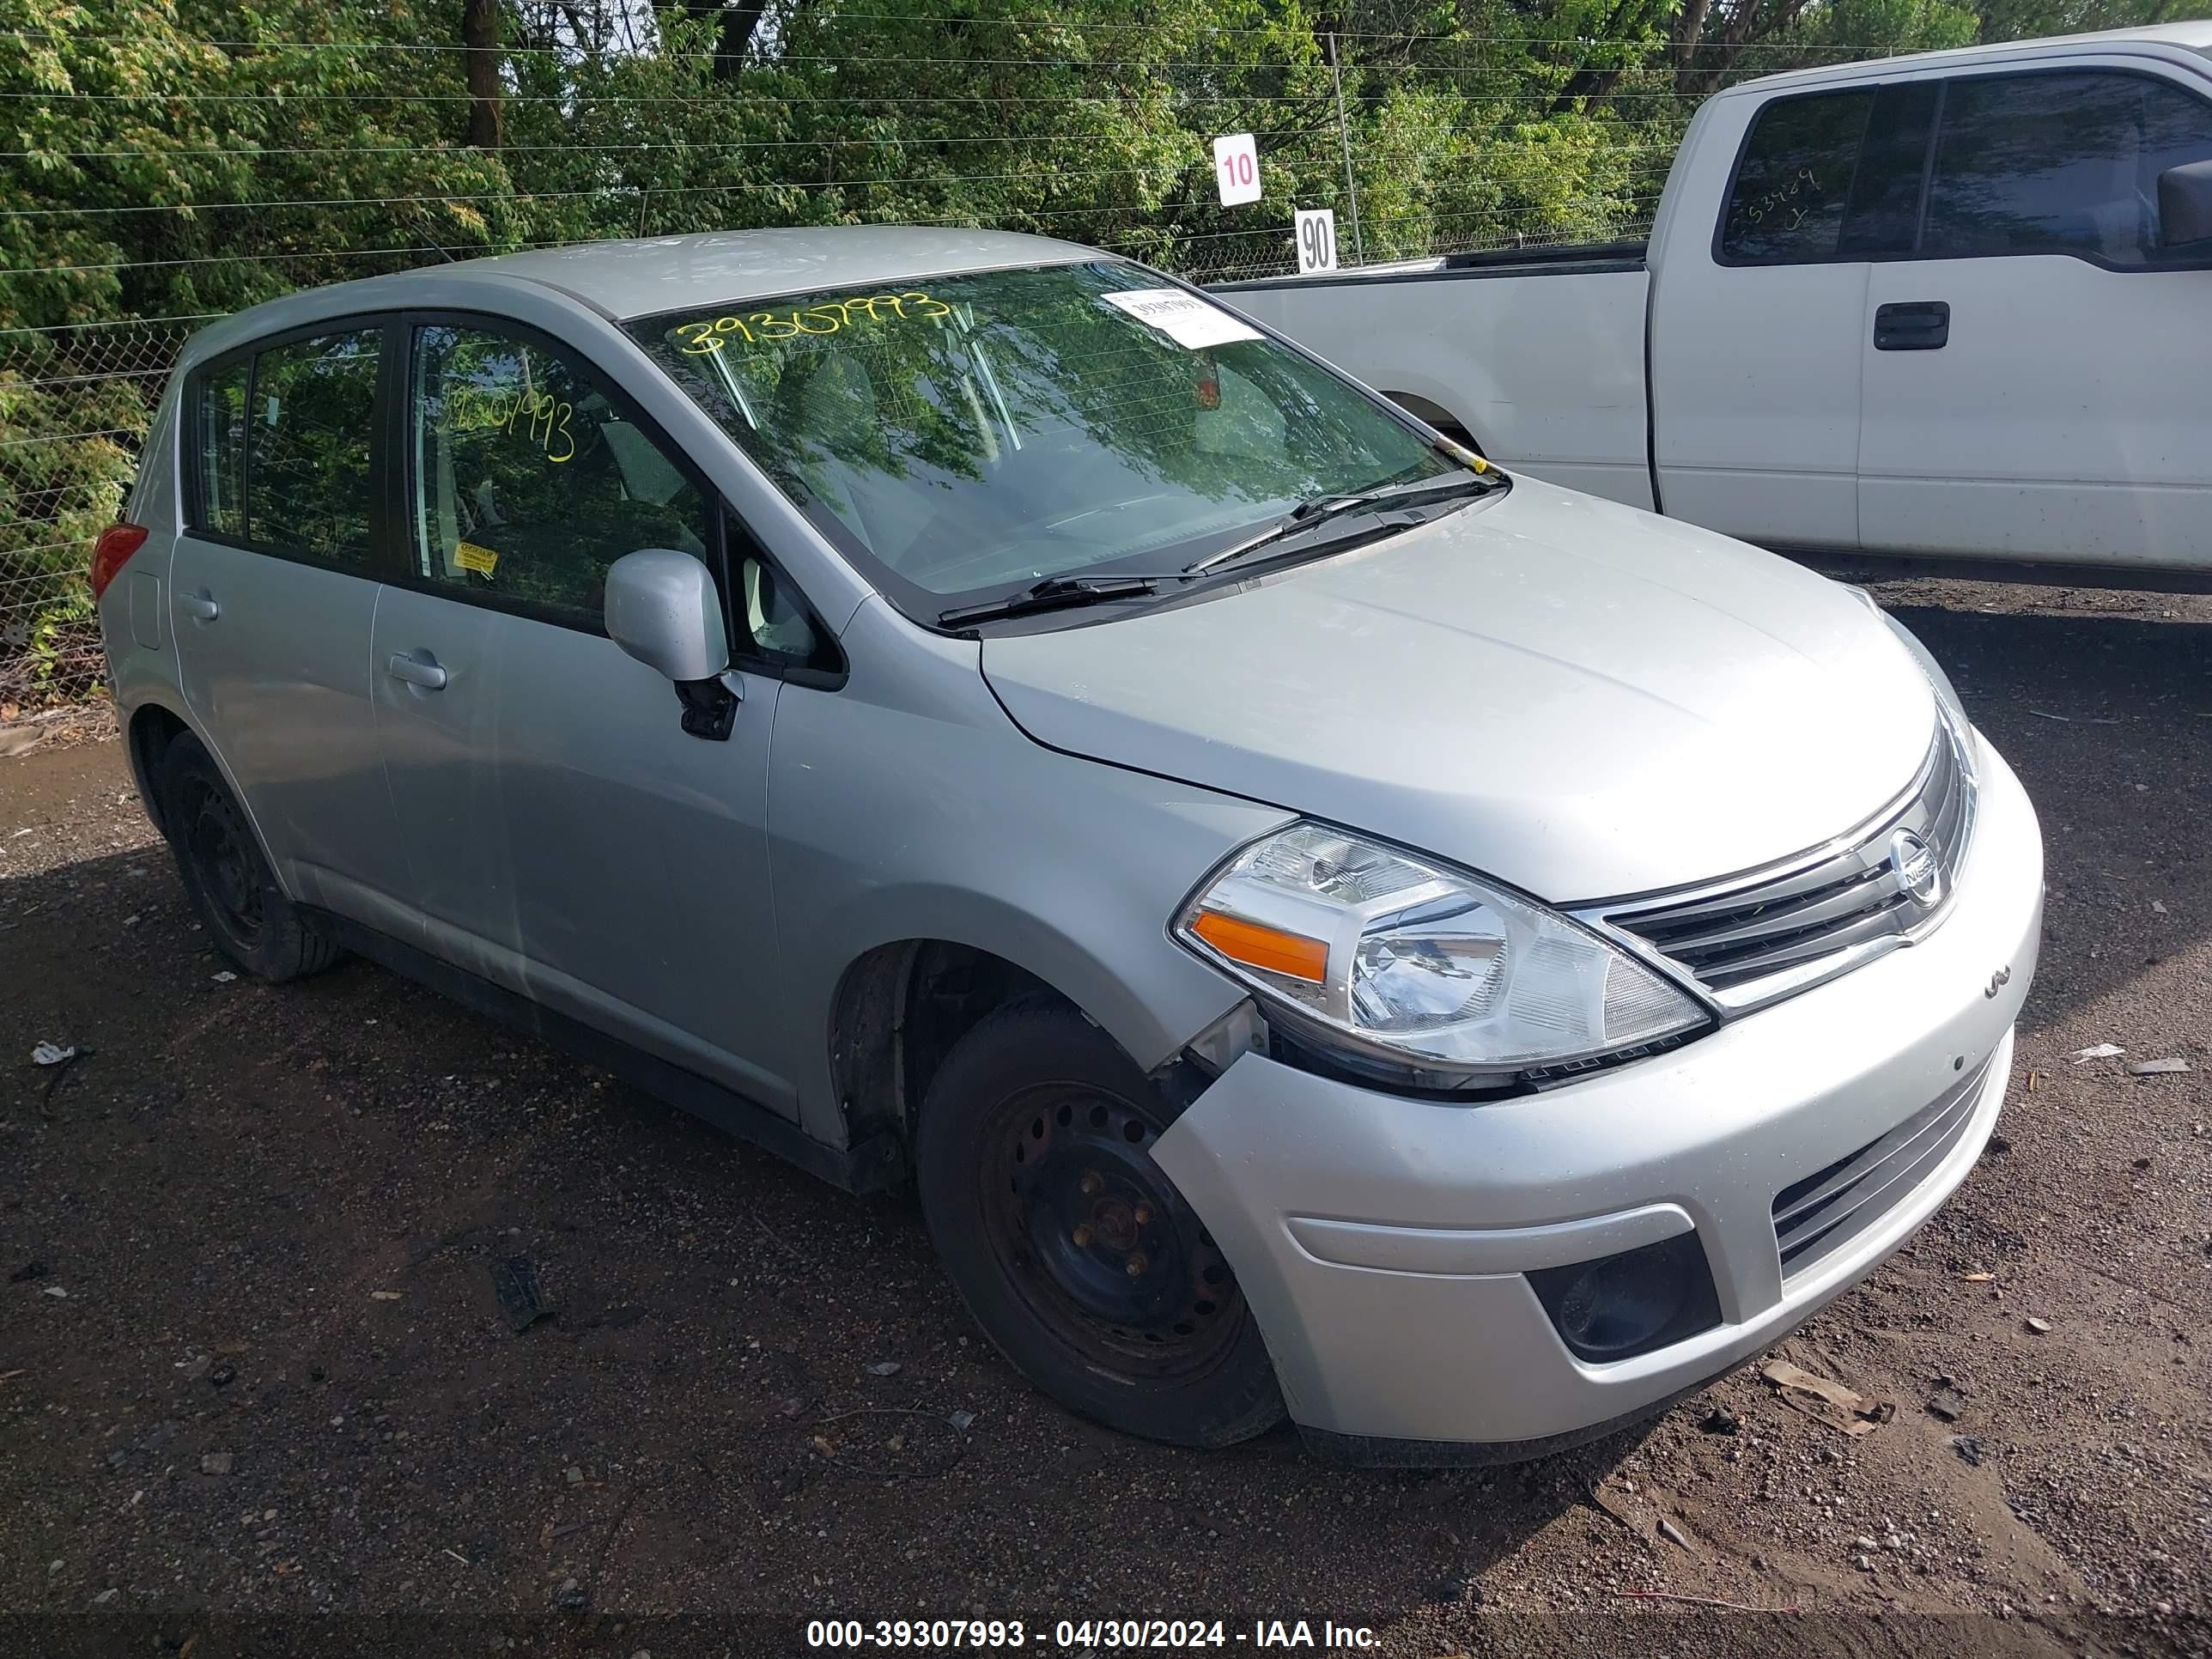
column 253, row 1370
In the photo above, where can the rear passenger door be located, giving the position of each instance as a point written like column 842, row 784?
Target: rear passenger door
column 566, row 838
column 2039, row 361
column 273, row 586
column 1755, row 333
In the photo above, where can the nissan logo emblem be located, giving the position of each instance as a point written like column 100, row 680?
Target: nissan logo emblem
column 1917, row 871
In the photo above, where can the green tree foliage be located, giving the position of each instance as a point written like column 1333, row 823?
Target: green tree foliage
column 175, row 159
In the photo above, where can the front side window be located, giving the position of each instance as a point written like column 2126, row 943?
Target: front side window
column 963, row 437
column 2059, row 163
column 309, row 426
column 529, row 480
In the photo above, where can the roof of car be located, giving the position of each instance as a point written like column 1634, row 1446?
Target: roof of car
column 2191, row 36
column 669, row 273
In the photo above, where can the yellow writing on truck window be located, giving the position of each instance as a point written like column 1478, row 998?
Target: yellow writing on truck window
column 470, row 556
column 827, row 317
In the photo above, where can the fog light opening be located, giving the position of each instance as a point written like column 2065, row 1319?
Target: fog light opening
column 1620, row 1306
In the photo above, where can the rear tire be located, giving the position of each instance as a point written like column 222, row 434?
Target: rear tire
column 252, row 925
column 1071, row 1247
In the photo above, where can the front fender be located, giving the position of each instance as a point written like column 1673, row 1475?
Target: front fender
column 909, row 807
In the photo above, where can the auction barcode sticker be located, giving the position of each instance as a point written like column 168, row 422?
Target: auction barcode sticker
column 1183, row 317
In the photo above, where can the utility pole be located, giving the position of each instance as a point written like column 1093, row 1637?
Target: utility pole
column 1343, row 134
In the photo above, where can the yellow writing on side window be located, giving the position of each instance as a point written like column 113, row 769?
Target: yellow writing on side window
column 538, row 418
column 712, row 334
column 470, row 556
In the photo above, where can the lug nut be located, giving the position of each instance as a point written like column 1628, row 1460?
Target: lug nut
column 1092, row 1184
column 1082, row 1236
column 1144, row 1215
column 1137, row 1265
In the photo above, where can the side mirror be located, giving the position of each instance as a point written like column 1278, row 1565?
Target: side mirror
column 662, row 608
column 2185, row 205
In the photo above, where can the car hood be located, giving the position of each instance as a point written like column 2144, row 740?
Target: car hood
column 1578, row 698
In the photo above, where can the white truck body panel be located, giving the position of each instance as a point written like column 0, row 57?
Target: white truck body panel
column 1549, row 372
column 2067, row 417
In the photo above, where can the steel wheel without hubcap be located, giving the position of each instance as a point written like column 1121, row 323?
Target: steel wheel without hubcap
column 1075, row 1254
column 1101, row 1246
column 229, row 864
column 225, row 873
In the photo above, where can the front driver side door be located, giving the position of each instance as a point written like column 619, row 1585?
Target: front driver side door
column 566, row 839
column 2038, row 371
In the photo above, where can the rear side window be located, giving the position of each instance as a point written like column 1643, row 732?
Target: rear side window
column 220, row 421
column 282, row 444
column 1884, row 213
column 2059, row 163
column 530, row 480
column 1794, row 179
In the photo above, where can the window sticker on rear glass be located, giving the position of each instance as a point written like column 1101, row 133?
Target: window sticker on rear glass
column 830, row 317
column 1183, row 317
column 470, row 556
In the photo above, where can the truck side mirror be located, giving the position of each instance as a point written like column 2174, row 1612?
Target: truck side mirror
column 2185, row 205
column 662, row 608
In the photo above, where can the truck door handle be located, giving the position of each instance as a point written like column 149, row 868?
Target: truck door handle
column 200, row 606
column 421, row 669
column 1913, row 325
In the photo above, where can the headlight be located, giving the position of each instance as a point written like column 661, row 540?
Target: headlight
column 1947, row 706
column 1373, row 954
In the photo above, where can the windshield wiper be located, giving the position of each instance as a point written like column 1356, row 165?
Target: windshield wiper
column 1057, row 594
column 1321, row 509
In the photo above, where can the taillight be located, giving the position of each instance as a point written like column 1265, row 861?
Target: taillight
column 109, row 554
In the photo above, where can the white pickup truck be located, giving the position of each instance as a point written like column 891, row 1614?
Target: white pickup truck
column 1957, row 305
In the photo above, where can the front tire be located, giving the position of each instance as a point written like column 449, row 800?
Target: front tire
column 1071, row 1247
column 252, row 925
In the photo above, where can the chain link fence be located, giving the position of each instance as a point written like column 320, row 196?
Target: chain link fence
column 77, row 396
column 74, row 406
column 76, row 402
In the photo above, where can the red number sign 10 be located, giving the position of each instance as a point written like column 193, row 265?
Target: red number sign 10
column 1237, row 168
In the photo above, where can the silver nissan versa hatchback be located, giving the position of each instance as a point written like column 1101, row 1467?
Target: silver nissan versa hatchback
column 1326, row 928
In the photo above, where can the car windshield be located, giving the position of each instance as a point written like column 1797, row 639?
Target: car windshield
column 965, row 437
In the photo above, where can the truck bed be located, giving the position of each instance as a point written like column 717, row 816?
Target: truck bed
column 1535, row 356
column 1586, row 258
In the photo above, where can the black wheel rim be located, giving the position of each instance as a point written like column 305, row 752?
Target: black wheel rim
column 226, row 862
column 1095, row 1238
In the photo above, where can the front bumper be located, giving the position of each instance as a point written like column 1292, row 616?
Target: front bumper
column 1382, row 1241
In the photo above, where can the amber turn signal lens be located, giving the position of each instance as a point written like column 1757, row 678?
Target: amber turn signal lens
column 1269, row 948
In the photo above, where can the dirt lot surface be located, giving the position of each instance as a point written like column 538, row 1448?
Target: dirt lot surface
column 252, row 1368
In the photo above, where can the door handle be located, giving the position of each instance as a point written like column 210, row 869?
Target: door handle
column 200, row 606
column 1913, row 325
column 422, row 671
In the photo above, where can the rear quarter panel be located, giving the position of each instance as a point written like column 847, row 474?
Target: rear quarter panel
column 142, row 658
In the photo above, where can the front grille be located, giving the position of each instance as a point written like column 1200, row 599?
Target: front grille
column 1829, row 1208
column 1755, row 939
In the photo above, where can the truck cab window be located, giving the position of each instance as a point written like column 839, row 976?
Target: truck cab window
column 2059, row 163
column 1794, row 179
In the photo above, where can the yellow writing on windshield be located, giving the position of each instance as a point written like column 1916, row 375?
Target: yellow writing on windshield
column 827, row 318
